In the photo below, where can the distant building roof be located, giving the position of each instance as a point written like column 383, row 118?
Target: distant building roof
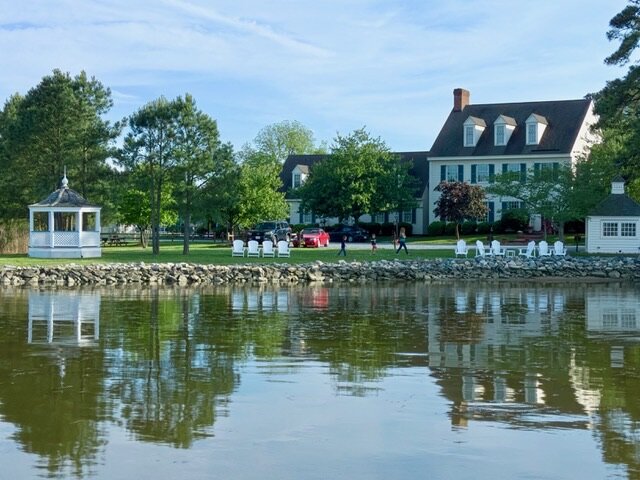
column 64, row 197
column 563, row 117
column 419, row 168
column 617, row 205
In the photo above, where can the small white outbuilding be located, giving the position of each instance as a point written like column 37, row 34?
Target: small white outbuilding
column 64, row 225
column 614, row 224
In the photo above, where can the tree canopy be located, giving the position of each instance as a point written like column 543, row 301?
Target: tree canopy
column 59, row 123
column 359, row 176
column 279, row 140
column 460, row 201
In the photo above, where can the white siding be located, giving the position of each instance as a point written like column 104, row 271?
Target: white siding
column 597, row 243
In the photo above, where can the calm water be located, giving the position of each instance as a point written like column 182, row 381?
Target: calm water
column 450, row 381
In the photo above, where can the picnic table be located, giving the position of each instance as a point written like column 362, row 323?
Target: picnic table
column 114, row 241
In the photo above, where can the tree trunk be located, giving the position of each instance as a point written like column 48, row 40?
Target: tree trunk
column 186, row 232
column 457, row 231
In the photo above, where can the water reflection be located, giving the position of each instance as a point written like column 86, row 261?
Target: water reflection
column 165, row 366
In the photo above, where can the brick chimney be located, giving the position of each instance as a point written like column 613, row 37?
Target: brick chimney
column 460, row 99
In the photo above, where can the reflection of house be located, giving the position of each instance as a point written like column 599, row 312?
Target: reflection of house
column 613, row 313
column 64, row 225
column 614, row 224
column 68, row 318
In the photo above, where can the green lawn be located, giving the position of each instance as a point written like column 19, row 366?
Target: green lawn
column 221, row 255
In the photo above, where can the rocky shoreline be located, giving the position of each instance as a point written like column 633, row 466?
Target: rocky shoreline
column 186, row 274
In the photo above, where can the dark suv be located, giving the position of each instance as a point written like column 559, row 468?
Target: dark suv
column 271, row 230
column 352, row 232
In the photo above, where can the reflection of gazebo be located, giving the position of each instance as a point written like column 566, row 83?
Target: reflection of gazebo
column 64, row 225
column 68, row 318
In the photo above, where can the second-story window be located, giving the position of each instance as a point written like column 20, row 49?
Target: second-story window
column 468, row 136
column 296, row 180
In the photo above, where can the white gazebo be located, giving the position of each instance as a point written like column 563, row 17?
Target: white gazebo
column 64, row 225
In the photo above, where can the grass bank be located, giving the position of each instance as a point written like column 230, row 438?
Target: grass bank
column 208, row 253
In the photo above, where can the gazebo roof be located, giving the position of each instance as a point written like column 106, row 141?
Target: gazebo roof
column 64, row 197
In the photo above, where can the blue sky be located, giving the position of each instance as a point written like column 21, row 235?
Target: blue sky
column 334, row 65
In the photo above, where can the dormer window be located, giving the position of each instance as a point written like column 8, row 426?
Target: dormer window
column 536, row 125
column 503, row 127
column 299, row 175
column 473, row 128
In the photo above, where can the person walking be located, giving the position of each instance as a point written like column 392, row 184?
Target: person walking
column 374, row 243
column 402, row 242
column 343, row 246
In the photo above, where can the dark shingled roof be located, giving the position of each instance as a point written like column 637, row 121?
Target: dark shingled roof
column 564, row 118
column 64, row 197
column 617, row 205
column 419, row 169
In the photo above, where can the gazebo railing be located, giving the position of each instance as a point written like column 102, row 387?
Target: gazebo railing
column 65, row 239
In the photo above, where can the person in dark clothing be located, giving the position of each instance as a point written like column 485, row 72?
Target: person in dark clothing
column 374, row 243
column 343, row 246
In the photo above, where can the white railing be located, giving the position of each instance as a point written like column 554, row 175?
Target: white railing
column 65, row 239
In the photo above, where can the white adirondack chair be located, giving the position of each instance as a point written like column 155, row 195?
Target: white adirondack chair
column 283, row 249
column 267, row 249
column 238, row 248
column 480, row 252
column 461, row 248
column 253, row 248
column 558, row 249
column 496, row 249
column 543, row 249
column 530, row 251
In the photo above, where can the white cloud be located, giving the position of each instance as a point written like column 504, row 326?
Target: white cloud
column 333, row 65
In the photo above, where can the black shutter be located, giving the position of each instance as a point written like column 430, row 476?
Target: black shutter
column 492, row 212
column 492, row 172
column 443, row 173
column 460, row 173
column 504, row 168
column 523, row 172
column 413, row 216
column 473, row 173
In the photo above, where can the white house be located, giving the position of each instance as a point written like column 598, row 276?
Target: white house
column 475, row 143
column 478, row 141
column 614, row 224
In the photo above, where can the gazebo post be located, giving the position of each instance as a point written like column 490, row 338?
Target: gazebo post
column 51, row 229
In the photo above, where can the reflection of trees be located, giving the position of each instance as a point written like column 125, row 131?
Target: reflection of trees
column 171, row 387
column 52, row 394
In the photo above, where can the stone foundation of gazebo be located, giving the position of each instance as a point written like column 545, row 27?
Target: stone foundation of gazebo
column 64, row 225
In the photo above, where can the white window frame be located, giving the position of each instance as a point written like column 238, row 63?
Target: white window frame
column 532, row 133
column 448, row 175
column 378, row 218
column 628, row 229
column 512, row 168
column 307, row 218
column 610, row 229
column 469, row 136
column 500, row 135
column 297, row 180
column 407, row 216
column 481, row 176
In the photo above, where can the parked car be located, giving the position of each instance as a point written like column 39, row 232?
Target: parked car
column 273, row 230
column 314, row 237
column 352, row 232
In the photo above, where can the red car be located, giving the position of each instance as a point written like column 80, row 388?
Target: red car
column 314, row 237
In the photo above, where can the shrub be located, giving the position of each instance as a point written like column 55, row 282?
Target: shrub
column 468, row 228
column 371, row 227
column 514, row 220
column 450, row 228
column 436, row 228
column 484, row 227
column 574, row 226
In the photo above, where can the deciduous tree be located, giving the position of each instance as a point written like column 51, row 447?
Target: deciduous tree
column 460, row 201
